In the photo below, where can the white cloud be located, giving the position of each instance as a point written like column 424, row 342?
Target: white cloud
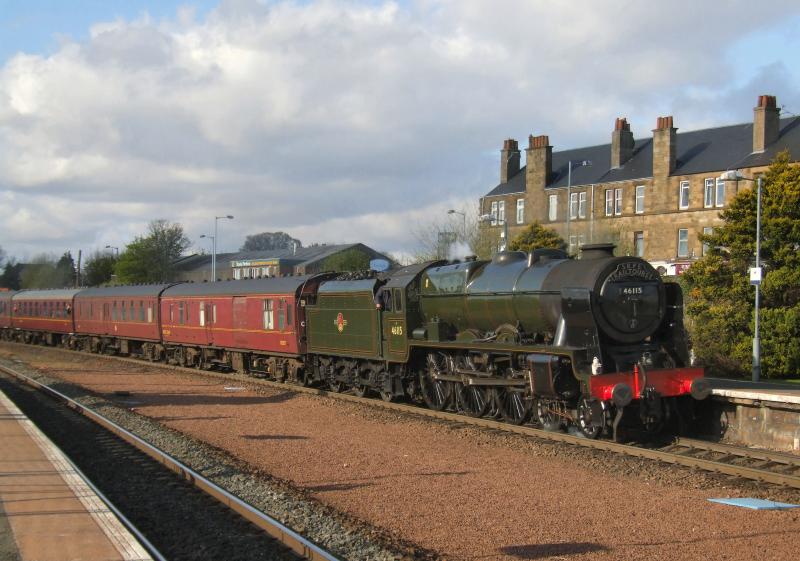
column 340, row 121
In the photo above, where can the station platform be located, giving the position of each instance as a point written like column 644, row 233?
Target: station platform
column 763, row 414
column 756, row 391
column 53, row 515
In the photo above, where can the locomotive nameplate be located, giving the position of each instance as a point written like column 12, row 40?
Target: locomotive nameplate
column 631, row 270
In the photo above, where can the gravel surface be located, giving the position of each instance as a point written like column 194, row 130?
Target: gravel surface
column 463, row 492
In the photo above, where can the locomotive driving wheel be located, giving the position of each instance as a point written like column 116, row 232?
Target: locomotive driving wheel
column 436, row 393
column 472, row 400
column 512, row 405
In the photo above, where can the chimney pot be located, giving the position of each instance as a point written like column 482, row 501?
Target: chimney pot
column 509, row 160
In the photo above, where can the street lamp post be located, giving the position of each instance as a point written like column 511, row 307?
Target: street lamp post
column 212, row 238
column 570, row 165
column 464, row 218
column 114, row 250
column 214, row 246
column 756, row 273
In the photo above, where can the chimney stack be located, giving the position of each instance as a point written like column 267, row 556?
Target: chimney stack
column 621, row 143
column 539, row 159
column 664, row 147
column 509, row 160
column 766, row 122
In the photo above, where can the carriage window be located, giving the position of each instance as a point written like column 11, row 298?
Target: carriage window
column 202, row 314
column 141, row 310
column 289, row 315
column 213, row 313
column 282, row 315
column 123, row 314
column 188, row 305
column 171, row 313
column 180, row 312
column 398, row 300
column 149, row 313
column 91, row 309
column 269, row 321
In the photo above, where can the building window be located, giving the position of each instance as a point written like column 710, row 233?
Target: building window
column 494, row 213
column 553, row 208
column 683, row 201
column 573, row 205
column 520, row 211
column 582, row 204
column 269, row 320
column 708, row 193
column 720, row 192
column 618, row 201
column 683, row 242
column 639, row 199
column 707, row 231
column 638, row 244
column 237, row 274
column 501, row 212
column 609, row 202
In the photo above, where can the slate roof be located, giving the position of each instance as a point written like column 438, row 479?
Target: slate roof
column 706, row 150
column 302, row 256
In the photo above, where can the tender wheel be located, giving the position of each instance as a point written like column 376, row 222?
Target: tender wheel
column 360, row 390
column 549, row 419
column 474, row 400
column 513, row 406
column 585, row 423
column 387, row 396
column 436, row 393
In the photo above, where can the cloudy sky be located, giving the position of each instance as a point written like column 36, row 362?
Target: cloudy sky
column 340, row 121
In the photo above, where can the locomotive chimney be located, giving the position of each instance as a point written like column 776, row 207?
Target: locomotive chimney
column 766, row 122
column 509, row 160
column 597, row 250
column 622, row 143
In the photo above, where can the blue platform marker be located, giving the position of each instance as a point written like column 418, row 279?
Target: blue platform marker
column 755, row 504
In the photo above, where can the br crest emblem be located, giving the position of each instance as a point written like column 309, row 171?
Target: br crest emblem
column 340, row 322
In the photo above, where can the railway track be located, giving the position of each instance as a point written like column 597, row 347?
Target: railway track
column 736, row 461
column 178, row 513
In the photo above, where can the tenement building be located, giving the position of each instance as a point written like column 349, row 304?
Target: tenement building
column 651, row 196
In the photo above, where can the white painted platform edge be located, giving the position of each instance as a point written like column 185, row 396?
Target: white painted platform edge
column 759, row 395
column 127, row 546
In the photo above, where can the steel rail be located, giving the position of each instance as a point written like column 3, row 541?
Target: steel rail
column 456, row 418
column 294, row 541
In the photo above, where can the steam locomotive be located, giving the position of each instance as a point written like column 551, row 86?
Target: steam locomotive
column 597, row 343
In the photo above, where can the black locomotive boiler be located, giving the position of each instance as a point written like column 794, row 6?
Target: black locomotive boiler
column 598, row 341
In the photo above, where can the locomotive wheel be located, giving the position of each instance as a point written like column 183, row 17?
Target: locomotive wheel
column 549, row 420
column 436, row 393
column 585, row 423
column 474, row 400
column 512, row 406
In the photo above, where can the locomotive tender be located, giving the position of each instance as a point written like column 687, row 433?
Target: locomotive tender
column 598, row 342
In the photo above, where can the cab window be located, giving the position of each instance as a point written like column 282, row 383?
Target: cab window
column 398, row 300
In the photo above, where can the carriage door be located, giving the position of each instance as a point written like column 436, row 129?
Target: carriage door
column 240, row 321
column 204, row 318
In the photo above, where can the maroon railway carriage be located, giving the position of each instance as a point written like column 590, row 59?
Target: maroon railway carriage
column 5, row 312
column 253, row 324
column 42, row 315
column 121, row 319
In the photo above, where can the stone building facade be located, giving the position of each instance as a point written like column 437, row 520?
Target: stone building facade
column 651, row 196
